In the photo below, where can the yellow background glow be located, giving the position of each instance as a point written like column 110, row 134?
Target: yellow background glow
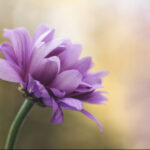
column 116, row 35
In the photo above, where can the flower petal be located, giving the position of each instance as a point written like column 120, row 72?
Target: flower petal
column 56, row 51
column 67, row 81
column 21, row 43
column 59, row 49
column 83, row 65
column 46, row 97
column 39, row 31
column 95, row 79
column 8, row 52
column 43, row 34
column 57, row 114
column 93, row 97
column 31, row 86
column 43, row 50
column 39, row 91
column 89, row 115
column 58, row 93
column 8, row 73
column 83, row 88
column 70, row 56
column 71, row 103
column 46, row 69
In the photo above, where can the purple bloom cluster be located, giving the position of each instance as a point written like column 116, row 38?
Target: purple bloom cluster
column 50, row 71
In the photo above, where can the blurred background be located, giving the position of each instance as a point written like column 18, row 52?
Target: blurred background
column 117, row 35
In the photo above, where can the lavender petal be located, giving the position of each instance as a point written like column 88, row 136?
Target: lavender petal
column 8, row 73
column 83, row 65
column 57, row 115
column 67, row 81
column 89, row 115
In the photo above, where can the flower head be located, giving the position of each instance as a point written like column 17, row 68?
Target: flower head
column 50, row 71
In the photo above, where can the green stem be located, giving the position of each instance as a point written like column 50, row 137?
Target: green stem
column 16, row 124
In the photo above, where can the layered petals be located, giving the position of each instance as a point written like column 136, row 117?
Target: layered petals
column 8, row 52
column 38, row 90
column 21, row 43
column 43, row 34
column 53, row 46
column 71, row 103
column 84, row 88
column 95, row 79
column 58, row 93
column 67, row 81
column 83, row 65
column 70, row 56
column 57, row 114
column 44, row 50
column 50, row 71
column 92, row 97
column 46, row 69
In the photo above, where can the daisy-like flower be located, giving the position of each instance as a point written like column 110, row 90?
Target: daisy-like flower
column 50, row 72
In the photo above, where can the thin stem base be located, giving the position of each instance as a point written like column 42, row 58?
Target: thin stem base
column 16, row 124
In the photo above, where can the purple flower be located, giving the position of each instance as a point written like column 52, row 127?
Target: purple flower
column 50, row 71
